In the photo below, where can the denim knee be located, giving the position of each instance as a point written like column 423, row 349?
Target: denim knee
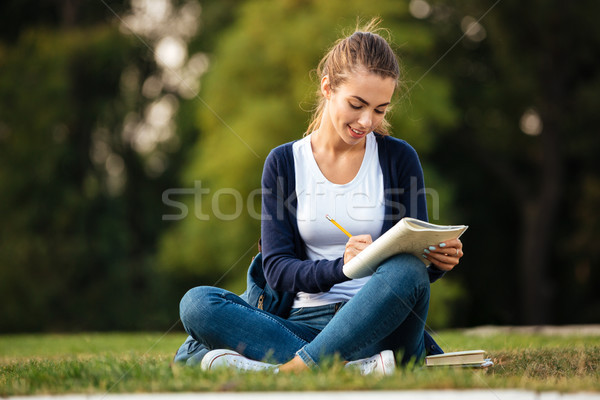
column 195, row 307
column 404, row 269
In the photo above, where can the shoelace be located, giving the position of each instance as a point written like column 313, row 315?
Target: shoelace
column 369, row 366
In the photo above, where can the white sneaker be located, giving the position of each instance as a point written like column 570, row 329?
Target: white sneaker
column 380, row 364
column 222, row 358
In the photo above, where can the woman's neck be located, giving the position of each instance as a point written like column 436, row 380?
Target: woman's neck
column 326, row 139
column 338, row 161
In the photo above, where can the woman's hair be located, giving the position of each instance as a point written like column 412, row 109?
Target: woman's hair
column 364, row 50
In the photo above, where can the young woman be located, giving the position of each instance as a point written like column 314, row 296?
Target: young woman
column 346, row 166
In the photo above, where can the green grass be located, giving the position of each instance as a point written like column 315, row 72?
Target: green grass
column 139, row 362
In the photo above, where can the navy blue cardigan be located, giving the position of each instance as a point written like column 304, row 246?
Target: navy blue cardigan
column 285, row 264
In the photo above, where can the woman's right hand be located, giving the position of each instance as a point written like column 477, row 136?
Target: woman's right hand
column 355, row 245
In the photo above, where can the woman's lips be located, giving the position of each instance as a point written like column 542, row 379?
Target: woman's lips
column 355, row 132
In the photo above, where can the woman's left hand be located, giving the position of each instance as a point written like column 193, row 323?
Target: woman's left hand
column 445, row 256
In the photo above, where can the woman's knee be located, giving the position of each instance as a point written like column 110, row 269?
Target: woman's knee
column 196, row 305
column 405, row 268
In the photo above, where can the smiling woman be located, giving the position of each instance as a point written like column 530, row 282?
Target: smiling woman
column 364, row 52
column 346, row 166
column 354, row 109
column 346, row 106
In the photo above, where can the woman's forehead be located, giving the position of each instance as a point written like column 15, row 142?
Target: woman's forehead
column 369, row 86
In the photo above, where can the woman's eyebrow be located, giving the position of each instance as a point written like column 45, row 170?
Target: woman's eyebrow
column 366, row 103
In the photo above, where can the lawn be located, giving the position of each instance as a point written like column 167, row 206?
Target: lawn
column 139, row 362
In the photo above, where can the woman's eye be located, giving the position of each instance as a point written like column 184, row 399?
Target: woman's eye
column 354, row 107
column 379, row 111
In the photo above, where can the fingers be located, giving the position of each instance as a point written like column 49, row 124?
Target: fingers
column 444, row 251
column 355, row 245
column 360, row 239
column 445, row 255
column 442, row 261
column 358, row 243
column 456, row 243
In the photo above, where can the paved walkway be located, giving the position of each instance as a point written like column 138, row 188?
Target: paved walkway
column 357, row 395
column 562, row 330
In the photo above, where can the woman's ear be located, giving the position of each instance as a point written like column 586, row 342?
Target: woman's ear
column 326, row 87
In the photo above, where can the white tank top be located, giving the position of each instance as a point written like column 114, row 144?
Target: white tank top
column 358, row 206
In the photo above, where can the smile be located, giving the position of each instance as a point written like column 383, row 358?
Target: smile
column 356, row 132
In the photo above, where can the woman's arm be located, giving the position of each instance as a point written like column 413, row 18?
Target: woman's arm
column 407, row 194
column 283, row 267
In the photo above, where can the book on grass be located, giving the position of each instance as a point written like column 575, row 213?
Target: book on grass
column 469, row 358
column 409, row 235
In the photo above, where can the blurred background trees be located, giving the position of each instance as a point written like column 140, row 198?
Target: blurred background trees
column 133, row 134
column 523, row 80
column 89, row 105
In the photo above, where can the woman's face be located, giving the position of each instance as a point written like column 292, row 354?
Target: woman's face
column 357, row 106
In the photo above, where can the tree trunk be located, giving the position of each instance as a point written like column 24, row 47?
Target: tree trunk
column 69, row 10
column 539, row 218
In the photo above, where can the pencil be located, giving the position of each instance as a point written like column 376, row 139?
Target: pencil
column 338, row 225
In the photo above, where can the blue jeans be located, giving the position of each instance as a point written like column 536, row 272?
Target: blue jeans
column 388, row 312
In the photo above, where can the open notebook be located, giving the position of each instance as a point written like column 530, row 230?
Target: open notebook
column 409, row 235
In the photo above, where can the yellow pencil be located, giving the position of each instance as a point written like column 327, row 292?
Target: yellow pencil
column 338, row 225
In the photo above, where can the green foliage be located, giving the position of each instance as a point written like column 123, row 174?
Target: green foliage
column 78, row 245
column 71, row 248
column 445, row 308
column 256, row 96
column 529, row 195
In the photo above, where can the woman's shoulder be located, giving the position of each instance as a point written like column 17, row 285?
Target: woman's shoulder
column 282, row 152
column 394, row 147
column 281, row 157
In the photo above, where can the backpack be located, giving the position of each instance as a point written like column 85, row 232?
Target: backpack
column 260, row 295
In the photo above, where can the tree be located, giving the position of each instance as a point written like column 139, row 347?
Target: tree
column 523, row 77
column 81, row 180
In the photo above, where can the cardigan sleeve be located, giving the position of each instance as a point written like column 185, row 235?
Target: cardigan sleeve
column 415, row 199
column 410, row 183
column 407, row 192
column 282, row 264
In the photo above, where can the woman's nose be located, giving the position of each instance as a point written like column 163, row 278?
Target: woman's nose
column 365, row 119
